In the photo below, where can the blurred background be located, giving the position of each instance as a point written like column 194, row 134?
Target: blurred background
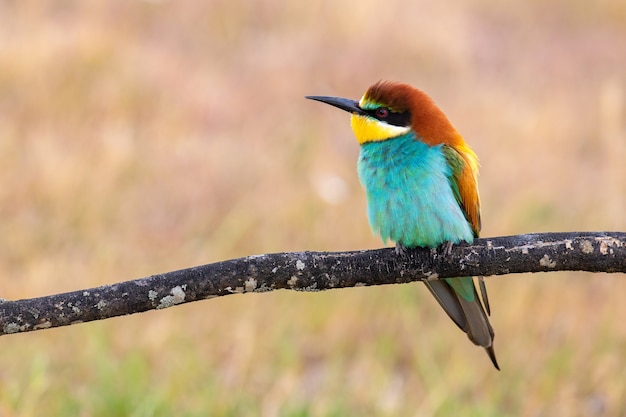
column 141, row 137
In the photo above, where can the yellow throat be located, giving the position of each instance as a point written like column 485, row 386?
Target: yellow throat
column 368, row 129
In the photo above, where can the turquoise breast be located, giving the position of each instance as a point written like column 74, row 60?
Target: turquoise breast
column 409, row 198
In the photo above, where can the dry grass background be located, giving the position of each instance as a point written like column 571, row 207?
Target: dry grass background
column 143, row 137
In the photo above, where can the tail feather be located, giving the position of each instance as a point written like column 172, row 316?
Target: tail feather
column 470, row 316
column 479, row 329
column 483, row 293
column 447, row 298
column 492, row 356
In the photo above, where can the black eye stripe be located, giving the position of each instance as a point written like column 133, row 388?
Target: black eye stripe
column 393, row 118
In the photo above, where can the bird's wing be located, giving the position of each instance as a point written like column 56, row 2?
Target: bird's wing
column 463, row 164
column 463, row 172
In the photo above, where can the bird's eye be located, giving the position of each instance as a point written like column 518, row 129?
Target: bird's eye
column 382, row 112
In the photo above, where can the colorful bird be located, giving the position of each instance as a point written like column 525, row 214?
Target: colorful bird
column 420, row 178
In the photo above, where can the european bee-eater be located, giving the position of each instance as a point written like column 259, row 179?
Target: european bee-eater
column 420, row 178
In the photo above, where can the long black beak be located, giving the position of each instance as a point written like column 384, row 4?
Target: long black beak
column 346, row 104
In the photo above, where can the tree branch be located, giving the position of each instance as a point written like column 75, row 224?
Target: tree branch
column 315, row 271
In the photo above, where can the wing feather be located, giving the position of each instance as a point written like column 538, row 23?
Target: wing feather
column 463, row 164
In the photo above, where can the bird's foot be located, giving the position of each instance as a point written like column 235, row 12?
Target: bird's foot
column 446, row 248
column 401, row 250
